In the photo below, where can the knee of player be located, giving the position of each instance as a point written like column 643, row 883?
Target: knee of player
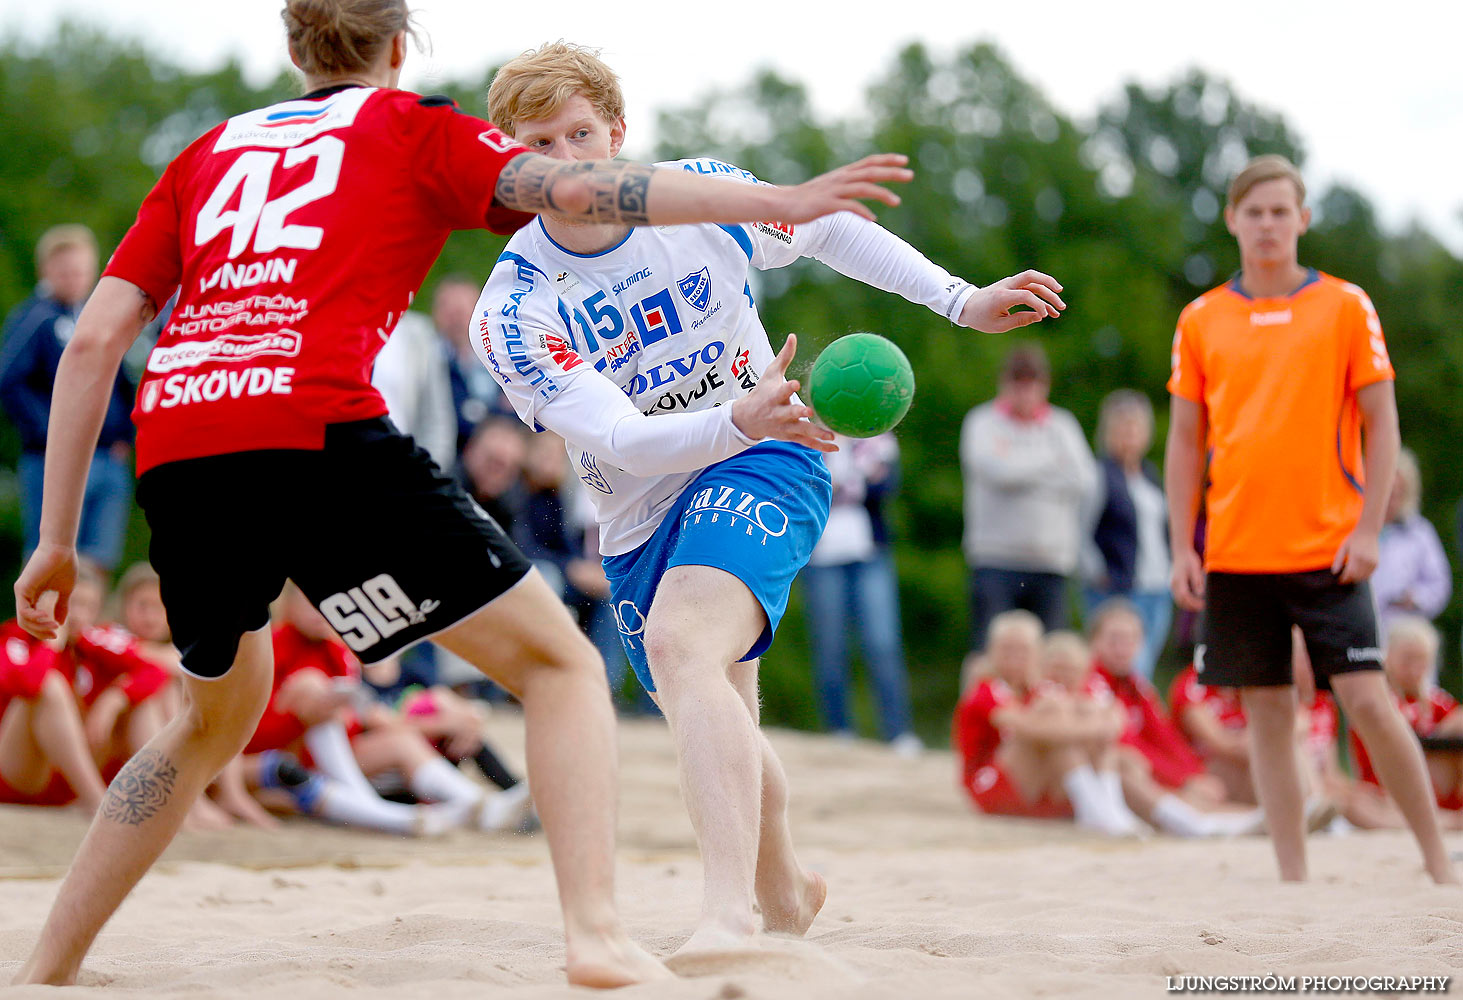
column 54, row 688
column 676, row 654
column 1367, row 710
column 1269, row 709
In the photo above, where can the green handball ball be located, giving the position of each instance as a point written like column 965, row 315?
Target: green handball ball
column 861, row 385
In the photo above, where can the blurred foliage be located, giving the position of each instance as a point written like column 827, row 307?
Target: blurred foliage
column 1126, row 211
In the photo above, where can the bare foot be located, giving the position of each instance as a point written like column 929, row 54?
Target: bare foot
column 1443, row 873
column 251, row 812
column 206, row 817
column 716, row 937
column 795, row 916
column 606, row 963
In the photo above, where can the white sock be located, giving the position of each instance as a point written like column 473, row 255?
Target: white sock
column 1236, row 824
column 1173, row 815
column 439, row 781
column 331, row 749
column 506, row 810
column 1084, row 790
column 342, row 803
column 1112, row 787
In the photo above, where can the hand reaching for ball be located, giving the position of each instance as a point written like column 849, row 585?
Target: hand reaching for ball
column 989, row 310
column 769, row 410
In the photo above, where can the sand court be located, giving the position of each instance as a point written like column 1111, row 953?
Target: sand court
column 927, row 899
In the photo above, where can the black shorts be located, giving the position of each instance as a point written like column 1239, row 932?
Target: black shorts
column 1247, row 620
column 387, row 547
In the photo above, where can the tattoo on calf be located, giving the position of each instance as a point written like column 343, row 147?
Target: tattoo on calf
column 140, row 789
column 619, row 192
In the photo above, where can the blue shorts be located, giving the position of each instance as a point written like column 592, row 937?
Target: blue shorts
column 757, row 516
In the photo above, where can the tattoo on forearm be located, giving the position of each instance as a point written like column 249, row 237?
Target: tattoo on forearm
column 140, row 789
column 619, row 192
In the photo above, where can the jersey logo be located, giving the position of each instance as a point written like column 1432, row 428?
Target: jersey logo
column 290, row 123
column 297, row 116
column 561, row 352
column 592, row 476
column 696, row 289
column 496, row 140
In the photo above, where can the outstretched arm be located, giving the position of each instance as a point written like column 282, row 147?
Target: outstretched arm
column 114, row 316
column 865, row 251
column 610, row 191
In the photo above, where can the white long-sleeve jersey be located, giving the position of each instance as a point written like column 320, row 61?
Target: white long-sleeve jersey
column 663, row 326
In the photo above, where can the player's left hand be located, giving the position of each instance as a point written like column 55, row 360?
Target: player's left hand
column 769, row 410
column 1357, row 557
column 989, row 309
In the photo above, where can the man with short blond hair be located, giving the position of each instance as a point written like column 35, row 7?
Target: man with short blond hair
column 1276, row 375
column 644, row 351
column 35, row 333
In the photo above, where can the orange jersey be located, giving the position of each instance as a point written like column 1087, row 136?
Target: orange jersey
column 1278, row 378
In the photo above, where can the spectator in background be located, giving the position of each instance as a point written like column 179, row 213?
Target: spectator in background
column 551, row 533
column 850, row 579
column 412, row 375
column 492, row 470
column 1411, row 665
column 475, row 395
column 1029, row 753
column 1027, row 473
column 1412, row 575
column 36, row 331
column 1128, row 554
column 44, row 757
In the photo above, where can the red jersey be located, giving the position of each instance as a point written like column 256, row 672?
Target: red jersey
column 24, row 662
column 293, row 652
column 296, row 236
column 1422, row 714
column 1187, row 690
column 976, row 738
column 1150, row 732
column 102, row 658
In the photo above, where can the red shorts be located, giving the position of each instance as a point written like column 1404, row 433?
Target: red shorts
column 57, row 793
column 997, row 795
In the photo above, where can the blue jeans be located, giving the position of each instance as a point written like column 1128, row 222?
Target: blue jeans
column 104, row 507
column 867, row 593
column 994, row 591
column 1155, row 609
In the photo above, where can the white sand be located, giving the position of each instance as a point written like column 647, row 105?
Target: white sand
column 927, row 900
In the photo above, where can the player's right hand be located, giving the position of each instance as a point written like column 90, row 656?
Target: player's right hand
column 1188, row 579
column 840, row 190
column 769, row 411
column 43, row 592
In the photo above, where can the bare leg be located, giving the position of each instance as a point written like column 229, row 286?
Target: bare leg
column 44, row 734
column 701, row 621
column 526, row 641
column 1398, row 761
column 1270, row 712
column 234, row 797
column 138, row 726
column 146, row 804
column 789, row 896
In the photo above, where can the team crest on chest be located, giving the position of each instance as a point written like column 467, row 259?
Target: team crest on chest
column 696, row 289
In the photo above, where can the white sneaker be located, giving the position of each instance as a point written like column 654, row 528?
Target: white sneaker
column 907, row 745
